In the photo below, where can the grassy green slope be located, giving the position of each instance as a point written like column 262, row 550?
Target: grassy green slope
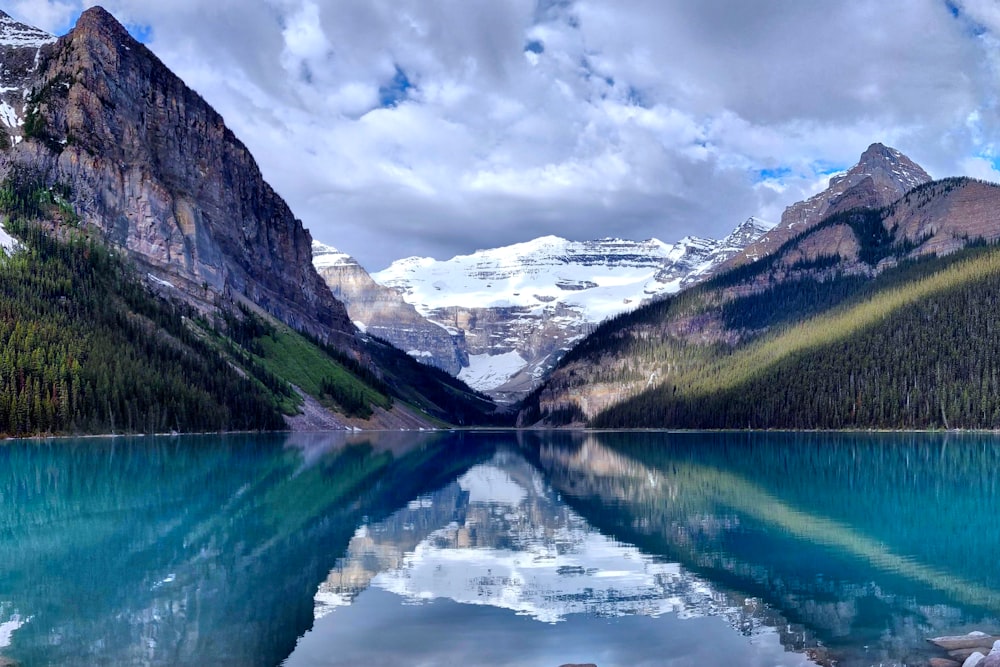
column 276, row 355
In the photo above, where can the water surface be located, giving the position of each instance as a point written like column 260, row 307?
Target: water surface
column 496, row 549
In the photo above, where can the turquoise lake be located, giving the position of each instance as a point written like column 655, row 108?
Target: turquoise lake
column 497, row 548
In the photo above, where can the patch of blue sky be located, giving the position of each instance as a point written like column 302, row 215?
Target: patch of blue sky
column 823, row 168
column 975, row 27
column 395, row 91
column 773, row 174
column 534, row 46
column 68, row 25
column 637, row 98
column 141, row 33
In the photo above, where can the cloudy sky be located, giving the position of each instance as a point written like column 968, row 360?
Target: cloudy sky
column 436, row 127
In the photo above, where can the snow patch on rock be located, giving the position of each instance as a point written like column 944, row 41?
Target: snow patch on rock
column 487, row 371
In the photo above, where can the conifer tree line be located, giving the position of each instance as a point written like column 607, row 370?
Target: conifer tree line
column 935, row 364
column 86, row 347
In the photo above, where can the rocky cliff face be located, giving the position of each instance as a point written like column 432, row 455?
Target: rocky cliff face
column 153, row 169
column 519, row 308
column 382, row 312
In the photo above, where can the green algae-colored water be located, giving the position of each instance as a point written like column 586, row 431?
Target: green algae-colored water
column 497, row 548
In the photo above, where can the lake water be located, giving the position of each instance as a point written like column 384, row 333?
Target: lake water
column 497, row 549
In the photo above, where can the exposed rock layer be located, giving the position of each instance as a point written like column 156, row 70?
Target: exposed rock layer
column 382, row 312
column 155, row 169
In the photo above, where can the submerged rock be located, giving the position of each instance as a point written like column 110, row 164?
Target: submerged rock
column 978, row 640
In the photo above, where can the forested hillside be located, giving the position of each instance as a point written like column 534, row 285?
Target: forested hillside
column 925, row 354
column 86, row 346
column 885, row 337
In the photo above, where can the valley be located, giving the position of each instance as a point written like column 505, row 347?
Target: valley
column 511, row 313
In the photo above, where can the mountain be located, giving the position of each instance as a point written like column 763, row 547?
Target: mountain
column 382, row 312
column 20, row 46
column 869, row 316
column 153, row 168
column 105, row 145
column 881, row 176
column 512, row 312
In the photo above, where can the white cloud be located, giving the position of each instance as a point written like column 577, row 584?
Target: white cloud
column 982, row 168
column 639, row 118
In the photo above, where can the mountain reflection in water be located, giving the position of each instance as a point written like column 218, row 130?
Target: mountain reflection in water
column 500, row 537
column 499, row 548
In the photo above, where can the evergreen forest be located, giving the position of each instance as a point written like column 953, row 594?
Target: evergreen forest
column 918, row 346
column 87, row 347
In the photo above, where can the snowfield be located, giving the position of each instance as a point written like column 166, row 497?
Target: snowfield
column 486, row 372
column 594, row 280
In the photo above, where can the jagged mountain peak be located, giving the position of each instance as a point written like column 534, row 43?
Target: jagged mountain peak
column 155, row 171
column 883, row 163
column 752, row 229
column 757, row 223
column 881, row 176
column 100, row 19
column 324, row 256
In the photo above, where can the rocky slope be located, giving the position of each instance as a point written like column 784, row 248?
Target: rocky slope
column 880, row 177
column 20, row 47
column 382, row 312
column 812, row 265
column 153, row 169
column 514, row 311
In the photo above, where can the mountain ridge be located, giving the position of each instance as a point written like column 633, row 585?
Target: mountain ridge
column 154, row 168
column 501, row 317
column 673, row 346
column 881, row 176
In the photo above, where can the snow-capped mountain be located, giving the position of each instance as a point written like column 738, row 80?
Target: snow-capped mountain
column 20, row 47
column 519, row 308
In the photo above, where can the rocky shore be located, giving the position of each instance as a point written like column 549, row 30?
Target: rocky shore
column 976, row 649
